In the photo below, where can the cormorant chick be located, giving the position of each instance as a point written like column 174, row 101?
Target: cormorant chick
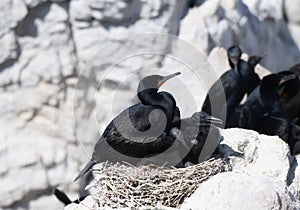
column 141, row 130
column 199, row 138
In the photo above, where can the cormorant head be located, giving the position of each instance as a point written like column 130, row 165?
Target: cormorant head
column 234, row 54
column 288, row 85
column 203, row 119
column 154, row 82
column 284, row 84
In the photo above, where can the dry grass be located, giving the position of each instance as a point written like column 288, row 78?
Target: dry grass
column 124, row 185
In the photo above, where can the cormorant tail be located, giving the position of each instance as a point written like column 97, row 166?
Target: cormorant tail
column 85, row 169
column 61, row 196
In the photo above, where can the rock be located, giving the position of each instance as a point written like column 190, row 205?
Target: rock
column 46, row 203
column 90, row 203
column 265, row 10
column 9, row 46
column 294, row 177
column 295, row 32
column 12, row 11
column 256, row 154
column 232, row 190
column 227, row 22
column 292, row 12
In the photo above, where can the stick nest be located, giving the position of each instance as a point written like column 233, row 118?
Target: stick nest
column 124, row 185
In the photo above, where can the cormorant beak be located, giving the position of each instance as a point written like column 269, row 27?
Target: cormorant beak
column 287, row 78
column 166, row 78
column 214, row 120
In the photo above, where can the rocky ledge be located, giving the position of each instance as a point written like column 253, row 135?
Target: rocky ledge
column 264, row 176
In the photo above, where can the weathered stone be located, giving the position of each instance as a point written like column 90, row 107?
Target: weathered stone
column 295, row 32
column 232, row 190
column 292, row 11
column 12, row 11
column 9, row 46
column 227, row 22
column 46, row 203
column 265, row 10
column 294, row 177
column 259, row 154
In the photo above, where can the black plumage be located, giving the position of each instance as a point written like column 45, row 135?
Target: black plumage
column 197, row 139
column 226, row 94
column 140, row 131
column 292, row 106
column 251, row 82
column 263, row 110
column 62, row 197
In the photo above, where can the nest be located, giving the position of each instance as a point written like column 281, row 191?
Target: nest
column 124, row 185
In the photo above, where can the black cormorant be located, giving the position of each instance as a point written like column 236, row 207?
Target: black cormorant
column 263, row 110
column 292, row 106
column 142, row 129
column 234, row 83
column 251, row 83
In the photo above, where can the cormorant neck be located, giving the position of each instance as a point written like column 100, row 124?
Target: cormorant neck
column 148, row 96
column 231, row 64
column 163, row 100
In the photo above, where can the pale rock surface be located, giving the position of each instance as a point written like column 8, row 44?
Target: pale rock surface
column 227, row 22
column 251, row 153
column 294, row 177
column 232, row 190
column 292, row 11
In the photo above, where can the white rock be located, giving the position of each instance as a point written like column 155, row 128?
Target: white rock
column 272, row 9
column 292, row 11
column 294, row 177
column 87, row 204
column 295, row 32
column 12, row 11
column 260, row 154
column 9, row 46
column 20, row 182
column 45, row 202
column 240, row 191
column 228, row 22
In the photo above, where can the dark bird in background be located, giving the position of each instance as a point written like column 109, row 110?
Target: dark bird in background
column 140, row 131
column 251, row 82
column 234, row 84
column 62, row 197
column 292, row 106
column 263, row 110
column 201, row 137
